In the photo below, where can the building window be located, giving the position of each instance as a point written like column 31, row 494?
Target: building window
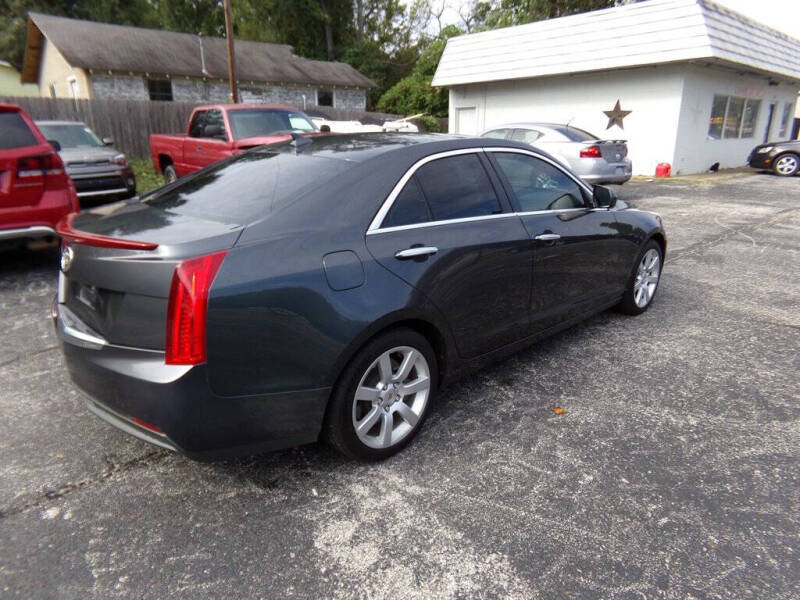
column 160, row 89
column 733, row 117
column 787, row 114
column 324, row 98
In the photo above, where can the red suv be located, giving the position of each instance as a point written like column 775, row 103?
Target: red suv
column 35, row 191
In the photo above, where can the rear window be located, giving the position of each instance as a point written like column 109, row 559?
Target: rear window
column 247, row 187
column 16, row 133
column 576, row 135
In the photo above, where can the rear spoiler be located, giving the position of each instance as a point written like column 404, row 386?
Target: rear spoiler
column 68, row 233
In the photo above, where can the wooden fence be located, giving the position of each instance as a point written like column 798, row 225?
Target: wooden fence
column 130, row 122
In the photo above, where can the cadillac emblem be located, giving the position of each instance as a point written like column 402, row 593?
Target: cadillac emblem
column 67, row 254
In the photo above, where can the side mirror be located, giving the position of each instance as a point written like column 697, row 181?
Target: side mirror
column 56, row 146
column 213, row 131
column 108, row 141
column 604, row 197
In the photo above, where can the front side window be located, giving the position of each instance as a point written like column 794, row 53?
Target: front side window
column 538, row 185
column 457, row 187
column 214, row 117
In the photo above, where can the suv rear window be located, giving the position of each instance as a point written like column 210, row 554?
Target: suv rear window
column 247, row 187
column 16, row 133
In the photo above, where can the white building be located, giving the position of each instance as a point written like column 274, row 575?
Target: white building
column 703, row 84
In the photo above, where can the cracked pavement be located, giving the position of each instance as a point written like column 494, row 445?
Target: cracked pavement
column 674, row 472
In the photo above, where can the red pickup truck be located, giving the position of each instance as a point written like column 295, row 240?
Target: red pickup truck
column 222, row 130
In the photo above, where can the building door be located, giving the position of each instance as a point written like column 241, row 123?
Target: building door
column 467, row 120
column 770, row 117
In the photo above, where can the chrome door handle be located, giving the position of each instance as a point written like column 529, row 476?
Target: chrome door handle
column 416, row 252
column 548, row 237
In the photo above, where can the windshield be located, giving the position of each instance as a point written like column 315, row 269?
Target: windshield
column 71, row 136
column 247, row 187
column 576, row 135
column 259, row 122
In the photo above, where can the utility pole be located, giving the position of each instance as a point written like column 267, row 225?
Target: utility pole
column 231, row 58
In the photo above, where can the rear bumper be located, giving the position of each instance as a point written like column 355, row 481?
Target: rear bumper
column 173, row 407
column 593, row 170
column 34, row 231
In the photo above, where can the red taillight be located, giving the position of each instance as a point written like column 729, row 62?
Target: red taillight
column 591, row 152
column 188, row 305
column 48, row 166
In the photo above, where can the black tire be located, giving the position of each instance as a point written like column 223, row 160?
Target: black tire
column 786, row 164
column 339, row 429
column 170, row 174
column 628, row 305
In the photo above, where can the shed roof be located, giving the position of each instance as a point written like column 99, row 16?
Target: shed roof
column 121, row 48
column 638, row 34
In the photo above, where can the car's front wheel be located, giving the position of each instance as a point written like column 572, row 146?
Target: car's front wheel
column 383, row 396
column 643, row 282
column 786, row 165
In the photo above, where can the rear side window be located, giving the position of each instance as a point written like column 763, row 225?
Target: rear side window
column 457, row 187
column 16, row 133
column 527, row 136
column 538, row 185
column 409, row 207
column 496, row 134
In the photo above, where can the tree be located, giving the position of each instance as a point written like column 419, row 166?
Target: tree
column 414, row 94
column 504, row 13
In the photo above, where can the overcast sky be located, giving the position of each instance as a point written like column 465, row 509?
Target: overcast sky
column 783, row 15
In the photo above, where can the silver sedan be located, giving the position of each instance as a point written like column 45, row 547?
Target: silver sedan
column 595, row 160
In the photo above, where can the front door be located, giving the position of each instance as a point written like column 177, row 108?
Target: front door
column 451, row 235
column 578, row 261
column 770, row 118
column 199, row 150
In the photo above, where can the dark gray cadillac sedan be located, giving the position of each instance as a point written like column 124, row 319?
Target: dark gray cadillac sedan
column 330, row 287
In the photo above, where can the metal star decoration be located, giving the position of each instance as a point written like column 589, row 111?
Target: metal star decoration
column 615, row 116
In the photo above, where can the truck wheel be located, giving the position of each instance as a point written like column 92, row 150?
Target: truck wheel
column 169, row 174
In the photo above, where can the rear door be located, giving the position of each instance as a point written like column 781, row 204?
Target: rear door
column 575, row 247
column 22, row 166
column 448, row 230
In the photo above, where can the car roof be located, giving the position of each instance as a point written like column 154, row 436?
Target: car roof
column 250, row 106
column 360, row 147
column 38, row 122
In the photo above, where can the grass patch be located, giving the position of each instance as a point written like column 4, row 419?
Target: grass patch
column 147, row 178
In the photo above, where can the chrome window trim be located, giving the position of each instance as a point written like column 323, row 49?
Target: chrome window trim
column 375, row 224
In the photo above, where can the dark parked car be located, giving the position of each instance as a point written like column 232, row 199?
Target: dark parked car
column 334, row 286
column 783, row 158
column 99, row 171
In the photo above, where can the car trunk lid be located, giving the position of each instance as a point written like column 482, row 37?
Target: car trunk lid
column 117, row 265
column 612, row 151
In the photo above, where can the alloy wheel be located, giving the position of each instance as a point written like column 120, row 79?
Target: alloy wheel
column 646, row 282
column 391, row 397
column 786, row 165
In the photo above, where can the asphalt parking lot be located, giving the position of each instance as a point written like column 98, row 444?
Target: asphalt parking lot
column 674, row 473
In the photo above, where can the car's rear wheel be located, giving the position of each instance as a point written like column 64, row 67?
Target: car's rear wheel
column 170, row 174
column 643, row 283
column 383, row 396
column 786, row 165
